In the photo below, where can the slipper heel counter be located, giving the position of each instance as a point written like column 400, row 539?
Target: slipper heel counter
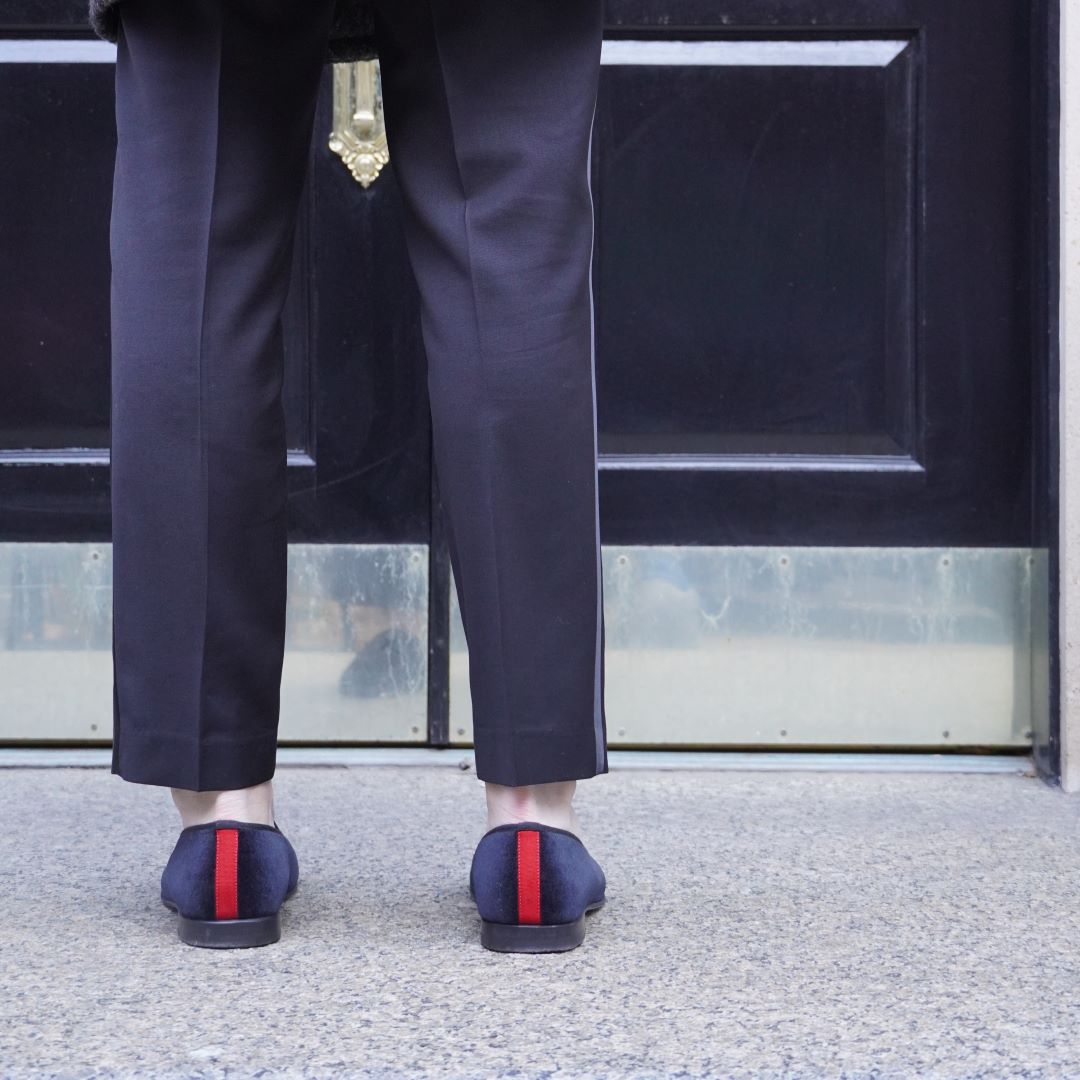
column 188, row 878
column 494, row 878
column 572, row 879
column 266, row 873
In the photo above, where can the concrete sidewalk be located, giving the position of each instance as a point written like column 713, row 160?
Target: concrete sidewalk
column 766, row 924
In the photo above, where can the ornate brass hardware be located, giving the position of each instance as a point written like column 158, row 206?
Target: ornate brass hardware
column 359, row 135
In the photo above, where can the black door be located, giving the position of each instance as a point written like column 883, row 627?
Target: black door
column 816, row 305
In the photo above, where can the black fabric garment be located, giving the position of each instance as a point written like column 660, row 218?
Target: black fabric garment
column 489, row 109
column 352, row 35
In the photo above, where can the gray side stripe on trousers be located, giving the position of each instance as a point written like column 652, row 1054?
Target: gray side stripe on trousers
column 597, row 717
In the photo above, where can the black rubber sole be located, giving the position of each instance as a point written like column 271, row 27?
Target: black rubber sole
column 520, row 938
column 229, row 933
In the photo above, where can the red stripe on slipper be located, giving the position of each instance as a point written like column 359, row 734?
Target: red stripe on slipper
column 528, row 876
column 226, row 901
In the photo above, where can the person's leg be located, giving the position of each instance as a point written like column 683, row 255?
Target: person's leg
column 489, row 111
column 214, row 108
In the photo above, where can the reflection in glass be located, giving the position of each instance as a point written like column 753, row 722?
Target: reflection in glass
column 845, row 647
column 356, row 643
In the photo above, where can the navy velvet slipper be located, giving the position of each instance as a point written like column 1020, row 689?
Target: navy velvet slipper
column 533, row 886
column 227, row 881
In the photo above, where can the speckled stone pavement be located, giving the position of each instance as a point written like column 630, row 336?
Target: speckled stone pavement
column 759, row 925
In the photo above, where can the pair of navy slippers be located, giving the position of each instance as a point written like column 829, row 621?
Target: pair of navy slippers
column 533, row 886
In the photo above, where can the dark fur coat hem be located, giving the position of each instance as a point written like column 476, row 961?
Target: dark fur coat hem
column 352, row 35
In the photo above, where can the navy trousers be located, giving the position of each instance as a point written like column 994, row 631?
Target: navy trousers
column 489, row 110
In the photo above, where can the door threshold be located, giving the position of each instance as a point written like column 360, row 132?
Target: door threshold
column 619, row 760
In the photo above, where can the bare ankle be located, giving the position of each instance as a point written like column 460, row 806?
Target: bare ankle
column 253, row 804
column 548, row 804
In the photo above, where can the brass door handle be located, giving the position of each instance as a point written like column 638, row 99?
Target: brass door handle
column 359, row 134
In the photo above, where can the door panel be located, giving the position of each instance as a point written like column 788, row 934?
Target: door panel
column 754, row 286
column 811, row 273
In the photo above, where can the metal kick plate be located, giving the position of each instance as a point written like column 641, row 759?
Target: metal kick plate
column 776, row 647
column 356, row 643
column 812, row 647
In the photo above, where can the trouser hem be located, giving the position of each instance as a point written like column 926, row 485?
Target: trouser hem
column 176, row 762
column 555, row 769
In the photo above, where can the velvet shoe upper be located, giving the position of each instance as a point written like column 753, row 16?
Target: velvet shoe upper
column 228, row 870
column 533, row 874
